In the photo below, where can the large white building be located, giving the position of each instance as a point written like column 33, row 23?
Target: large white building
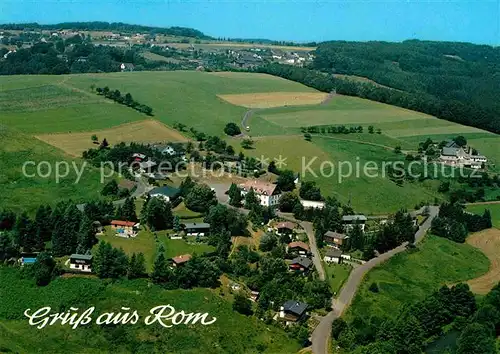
column 455, row 155
column 268, row 193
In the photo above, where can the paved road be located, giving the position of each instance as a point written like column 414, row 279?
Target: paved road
column 308, row 227
column 142, row 188
column 321, row 334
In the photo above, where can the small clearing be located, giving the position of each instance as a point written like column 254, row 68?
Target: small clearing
column 275, row 99
column 147, row 131
column 488, row 241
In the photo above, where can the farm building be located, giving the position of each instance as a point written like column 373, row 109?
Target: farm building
column 180, row 260
column 334, row 238
column 166, row 193
column 197, row 229
column 455, row 155
column 350, row 220
column 81, row 262
column 293, row 311
column 268, row 193
column 298, row 247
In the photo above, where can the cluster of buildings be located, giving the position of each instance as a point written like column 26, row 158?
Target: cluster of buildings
column 455, row 155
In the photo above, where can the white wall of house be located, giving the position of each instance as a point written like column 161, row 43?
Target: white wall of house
column 165, row 198
column 81, row 267
column 328, row 259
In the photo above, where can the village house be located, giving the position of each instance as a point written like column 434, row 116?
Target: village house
column 285, row 228
column 127, row 67
column 301, row 264
column 268, row 193
column 81, row 262
column 454, row 155
column 333, row 256
column 293, row 311
column 334, row 238
column 146, row 166
column 197, row 229
column 138, row 157
column 166, row 193
column 350, row 220
column 98, row 228
column 298, row 247
column 180, row 260
column 125, row 228
column 254, row 295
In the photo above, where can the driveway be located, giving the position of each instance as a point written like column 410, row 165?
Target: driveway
column 321, row 334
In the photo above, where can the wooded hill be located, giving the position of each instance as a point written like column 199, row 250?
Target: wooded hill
column 453, row 81
column 107, row 26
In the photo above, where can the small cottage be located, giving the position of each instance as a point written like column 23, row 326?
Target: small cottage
column 81, row 262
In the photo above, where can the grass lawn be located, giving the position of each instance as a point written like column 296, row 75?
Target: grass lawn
column 223, row 336
column 145, row 243
column 187, row 215
column 23, row 193
column 493, row 208
column 337, row 274
column 411, row 276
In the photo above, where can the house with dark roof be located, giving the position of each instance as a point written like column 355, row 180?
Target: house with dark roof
column 166, row 193
column 197, row 229
column 334, row 238
column 350, row 220
column 300, row 264
column 293, row 311
column 81, row 262
column 333, row 256
column 456, row 155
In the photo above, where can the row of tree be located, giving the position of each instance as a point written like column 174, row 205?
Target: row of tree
column 126, row 100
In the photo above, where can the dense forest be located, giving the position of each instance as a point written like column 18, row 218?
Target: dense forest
column 458, row 82
column 107, row 26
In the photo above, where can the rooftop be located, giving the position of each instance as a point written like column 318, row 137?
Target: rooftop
column 334, row 234
column 181, row 259
column 295, row 307
column 87, row 257
column 197, row 225
column 165, row 190
column 303, row 261
column 260, row 187
column 122, row 223
column 333, row 253
column 299, row 244
column 354, row 218
column 286, row 225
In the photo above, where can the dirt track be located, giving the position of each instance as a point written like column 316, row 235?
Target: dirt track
column 488, row 241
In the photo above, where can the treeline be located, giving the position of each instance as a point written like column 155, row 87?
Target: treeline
column 107, row 26
column 126, row 100
column 454, row 223
column 73, row 55
column 338, row 129
column 415, row 326
column 463, row 111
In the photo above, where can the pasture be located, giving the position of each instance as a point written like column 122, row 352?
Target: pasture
column 50, row 104
column 223, row 336
column 488, row 241
column 410, row 276
column 274, row 99
column 26, row 191
column 146, row 131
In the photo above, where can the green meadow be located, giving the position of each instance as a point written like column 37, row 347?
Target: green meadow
column 20, row 192
column 410, row 276
column 230, row 333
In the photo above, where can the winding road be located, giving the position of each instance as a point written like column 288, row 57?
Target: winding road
column 321, row 334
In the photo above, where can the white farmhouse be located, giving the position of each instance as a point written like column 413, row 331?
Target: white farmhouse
column 268, row 193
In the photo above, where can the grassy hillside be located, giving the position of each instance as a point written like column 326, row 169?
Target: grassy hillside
column 20, row 192
column 224, row 336
column 47, row 104
column 409, row 276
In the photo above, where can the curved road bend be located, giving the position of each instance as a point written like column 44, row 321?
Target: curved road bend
column 321, row 334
